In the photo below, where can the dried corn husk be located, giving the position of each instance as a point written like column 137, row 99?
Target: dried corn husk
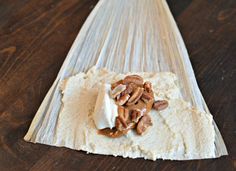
column 121, row 35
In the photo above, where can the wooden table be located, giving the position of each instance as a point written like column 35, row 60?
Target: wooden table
column 35, row 36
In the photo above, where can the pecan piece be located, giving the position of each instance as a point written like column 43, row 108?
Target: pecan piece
column 147, row 97
column 129, row 89
column 117, row 90
column 123, row 99
column 113, row 133
column 147, row 86
column 135, row 96
column 143, row 124
column 123, row 121
column 160, row 104
column 123, row 113
column 136, row 115
column 133, row 79
column 120, row 124
column 140, row 105
column 121, row 127
column 113, row 85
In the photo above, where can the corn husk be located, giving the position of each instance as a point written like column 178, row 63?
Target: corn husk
column 122, row 36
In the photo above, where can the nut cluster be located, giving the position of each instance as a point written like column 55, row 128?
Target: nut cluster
column 135, row 99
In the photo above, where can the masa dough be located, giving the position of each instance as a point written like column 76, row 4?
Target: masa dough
column 180, row 132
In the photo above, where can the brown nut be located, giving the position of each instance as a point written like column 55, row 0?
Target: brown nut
column 113, row 85
column 120, row 124
column 123, row 99
column 136, row 115
column 147, row 97
column 121, row 127
column 147, row 86
column 129, row 89
column 123, row 113
column 135, row 96
column 133, row 79
column 113, row 133
column 131, row 125
column 143, row 124
column 160, row 104
column 118, row 97
column 140, row 105
column 123, row 117
column 117, row 90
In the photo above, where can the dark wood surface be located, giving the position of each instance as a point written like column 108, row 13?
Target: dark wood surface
column 35, row 36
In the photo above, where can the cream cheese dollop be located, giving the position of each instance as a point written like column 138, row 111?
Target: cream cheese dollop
column 105, row 111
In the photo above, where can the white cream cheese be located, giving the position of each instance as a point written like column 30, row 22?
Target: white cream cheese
column 179, row 132
column 105, row 111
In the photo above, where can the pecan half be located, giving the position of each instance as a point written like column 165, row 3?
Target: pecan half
column 117, row 90
column 135, row 96
column 160, row 104
column 133, row 79
column 123, row 99
column 113, row 85
column 136, row 115
column 143, row 124
column 147, row 86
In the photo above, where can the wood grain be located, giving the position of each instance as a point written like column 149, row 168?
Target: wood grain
column 35, row 37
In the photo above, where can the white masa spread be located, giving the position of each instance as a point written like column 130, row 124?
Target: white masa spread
column 180, row 132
